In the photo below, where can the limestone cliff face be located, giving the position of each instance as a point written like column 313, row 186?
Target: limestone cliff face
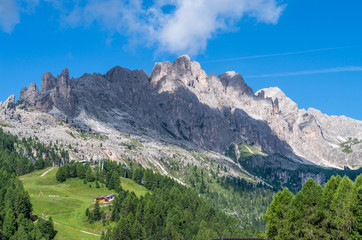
column 313, row 135
column 215, row 112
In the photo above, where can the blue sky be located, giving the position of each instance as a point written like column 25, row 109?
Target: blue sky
column 311, row 49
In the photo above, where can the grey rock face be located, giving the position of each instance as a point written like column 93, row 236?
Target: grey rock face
column 30, row 96
column 313, row 135
column 8, row 109
column 48, row 82
column 9, row 104
column 215, row 112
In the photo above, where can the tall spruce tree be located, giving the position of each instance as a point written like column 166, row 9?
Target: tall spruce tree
column 342, row 206
column 276, row 215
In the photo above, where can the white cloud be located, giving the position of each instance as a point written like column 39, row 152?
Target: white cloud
column 185, row 27
column 9, row 15
column 10, row 12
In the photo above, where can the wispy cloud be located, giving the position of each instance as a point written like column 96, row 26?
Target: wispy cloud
column 9, row 15
column 10, row 12
column 275, row 54
column 310, row 72
column 185, row 27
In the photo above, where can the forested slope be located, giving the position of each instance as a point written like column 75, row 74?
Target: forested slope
column 16, row 219
column 333, row 211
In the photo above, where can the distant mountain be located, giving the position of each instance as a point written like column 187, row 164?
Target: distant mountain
column 178, row 108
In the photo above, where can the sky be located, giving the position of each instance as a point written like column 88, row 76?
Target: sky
column 310, row 49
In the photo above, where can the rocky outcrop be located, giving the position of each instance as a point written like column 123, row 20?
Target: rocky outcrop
column 9, row 104
column 48, row 82
column 215, row 112
column 8, row 109
column 313, row 135
column 30, row 96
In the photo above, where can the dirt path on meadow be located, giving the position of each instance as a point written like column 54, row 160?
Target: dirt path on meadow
column 45, row 173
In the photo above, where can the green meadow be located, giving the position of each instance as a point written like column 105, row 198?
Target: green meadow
column 66, row 202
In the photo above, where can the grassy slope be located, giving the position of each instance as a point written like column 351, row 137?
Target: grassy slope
column 244, row 151
column 66, row 202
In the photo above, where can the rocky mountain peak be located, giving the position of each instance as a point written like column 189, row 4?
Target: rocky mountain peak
column 48, row 82
column 117, row 73
column 65, row 73
column 9, row 104
column 234, row 82
column 30, row 96
column 166, row 76
column 286, row 105
column 183, row 62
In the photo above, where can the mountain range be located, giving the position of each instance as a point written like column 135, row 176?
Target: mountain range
column 177, row 116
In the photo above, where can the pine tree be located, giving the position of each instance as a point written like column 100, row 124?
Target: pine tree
column 97, row 215
column 21, row 234
column 137, row 231
column 330, row 189
column 89, row 175
column 87, row 212
column 114, row 181
column 308, row 205
column 276, row 215
column 357, row 230
column 138, row 175
column 22, row 204
column 61, row 175
column 342, row 206
column 9, row 224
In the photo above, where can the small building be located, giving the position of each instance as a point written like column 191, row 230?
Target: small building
column 105, row 198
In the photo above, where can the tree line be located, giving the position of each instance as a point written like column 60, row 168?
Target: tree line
column 26, row 155
column 333, row 211
column 16, row 219
column 109, row 175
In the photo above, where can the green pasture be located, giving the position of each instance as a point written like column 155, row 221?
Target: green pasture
column 66, row 202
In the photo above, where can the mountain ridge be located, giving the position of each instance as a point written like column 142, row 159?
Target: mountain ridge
column 288, row 130
column 179, row 116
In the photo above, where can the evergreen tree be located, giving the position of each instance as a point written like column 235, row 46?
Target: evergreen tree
column 308, row 214
column 87, row 212
column 21, row 234
column 89, row 175
column 342, row 206
column 9, row 225
column 46, row 228
column 357, row 230
column 331, row 212
column 61, row 175
column 114, row 181
column 330, row 189
column 138, row 175
column 22, row 204
column 97, row 215
column 276, row 215
column 137, row 231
